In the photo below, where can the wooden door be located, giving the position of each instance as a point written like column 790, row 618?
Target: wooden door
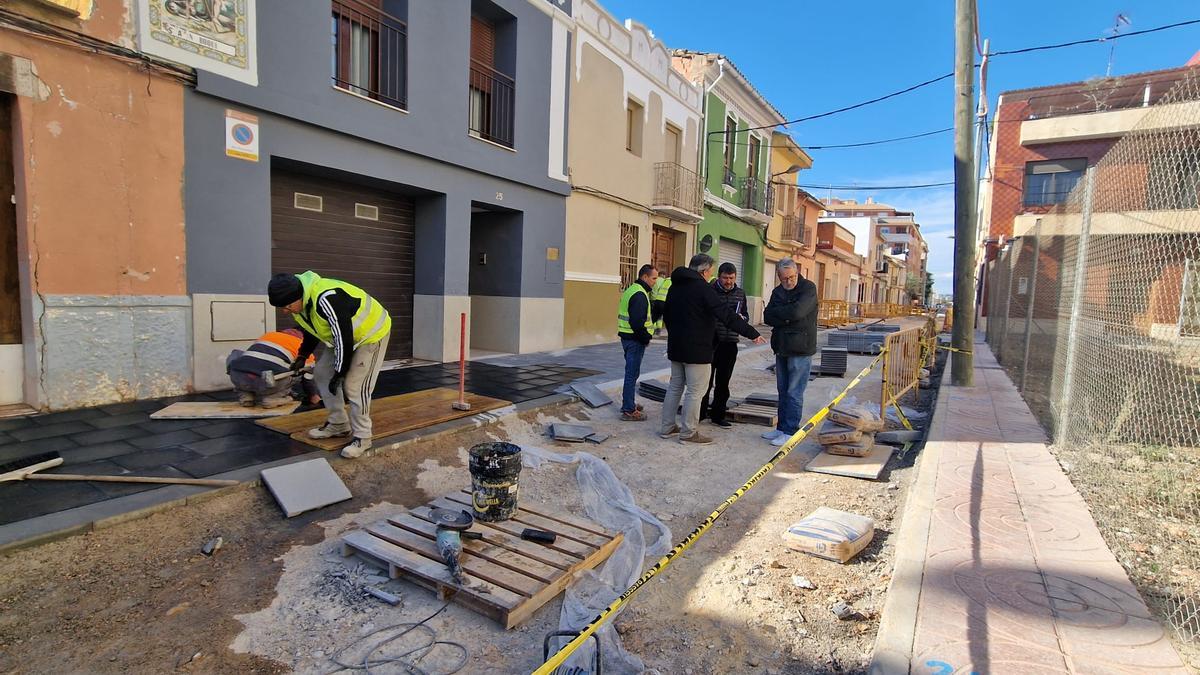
column 662, row 251
column 671, row 148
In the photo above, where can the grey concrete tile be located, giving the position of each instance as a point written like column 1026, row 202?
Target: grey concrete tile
column 18, row 450
column 125, row 419
column 107, row 435
column 165, row 440
column 97, row 451
column 68, row 416
column 157, row 457
column 49, row 431
column 14, row 423
column 305, row 486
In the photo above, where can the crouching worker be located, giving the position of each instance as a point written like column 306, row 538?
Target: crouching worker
column 352, row 329
column 262, row 374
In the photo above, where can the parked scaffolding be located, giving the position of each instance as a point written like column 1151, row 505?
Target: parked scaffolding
column 1095, row 314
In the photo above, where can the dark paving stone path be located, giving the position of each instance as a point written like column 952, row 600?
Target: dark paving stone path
column 122, row 439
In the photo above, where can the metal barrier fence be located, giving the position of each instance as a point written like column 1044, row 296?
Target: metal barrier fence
column 1094, row 311
column 905, row 354
column 841, row 312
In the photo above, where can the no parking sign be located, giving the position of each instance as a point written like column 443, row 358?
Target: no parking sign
column 241, row 135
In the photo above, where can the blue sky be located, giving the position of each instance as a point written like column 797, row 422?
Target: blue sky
column 808, row 57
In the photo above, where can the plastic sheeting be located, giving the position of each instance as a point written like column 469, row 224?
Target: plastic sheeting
column 609, row 502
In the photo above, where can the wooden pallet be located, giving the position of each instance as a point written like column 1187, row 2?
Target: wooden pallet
column 389, row 416
column 753, row 414
column 508, row 578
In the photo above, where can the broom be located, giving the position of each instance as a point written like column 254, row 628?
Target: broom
column 26, row 468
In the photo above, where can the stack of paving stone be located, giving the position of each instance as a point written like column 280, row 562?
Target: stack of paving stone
column 833, row 362
column 849, row 431
column 655, row 390
column 866, row 342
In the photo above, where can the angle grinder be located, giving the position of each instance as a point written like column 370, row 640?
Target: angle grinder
column 452, row 526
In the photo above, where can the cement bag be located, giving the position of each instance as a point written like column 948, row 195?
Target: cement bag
column 860, row 448
column 855, row 417
column 830, row 534
column 835, row 433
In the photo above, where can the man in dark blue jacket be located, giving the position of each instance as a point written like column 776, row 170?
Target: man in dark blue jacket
column 792, row 316
column 725, row 352
column 692, row 315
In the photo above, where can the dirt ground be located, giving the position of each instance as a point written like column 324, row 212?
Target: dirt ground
column 279, row 597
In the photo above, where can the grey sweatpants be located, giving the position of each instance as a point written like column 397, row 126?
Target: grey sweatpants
column 356, row 389
column 689, row 381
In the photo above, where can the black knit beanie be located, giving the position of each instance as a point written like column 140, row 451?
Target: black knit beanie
column 284, row 289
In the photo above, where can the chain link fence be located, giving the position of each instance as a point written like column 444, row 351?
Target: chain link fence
column 1094, row 312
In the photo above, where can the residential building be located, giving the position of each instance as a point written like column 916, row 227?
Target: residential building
column 634, row 129
column 890, row 243
column 1043, row 140
column 738, row 199
column 836, row 264
column 792, row 231
column 409, row 148
column 94, row 306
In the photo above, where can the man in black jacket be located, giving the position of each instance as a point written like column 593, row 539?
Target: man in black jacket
column 635, row 322
column 725, row 352
column 792, row 316
column 692, row 314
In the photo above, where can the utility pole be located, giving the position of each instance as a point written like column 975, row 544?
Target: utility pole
column 963, row 336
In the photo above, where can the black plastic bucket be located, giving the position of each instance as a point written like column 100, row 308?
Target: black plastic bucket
column 495, row 476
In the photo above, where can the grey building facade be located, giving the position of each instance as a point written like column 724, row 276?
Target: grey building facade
column 415, row 148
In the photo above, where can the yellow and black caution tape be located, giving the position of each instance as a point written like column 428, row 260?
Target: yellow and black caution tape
column 952, row 349
column 888, row 401
column 561, row 655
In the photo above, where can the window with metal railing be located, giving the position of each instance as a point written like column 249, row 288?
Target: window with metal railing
column 757, row 196
column 370, row 51
column 491, row 93
column 628, row 258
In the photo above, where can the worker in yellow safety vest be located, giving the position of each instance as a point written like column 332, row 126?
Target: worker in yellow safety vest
column 635, row 322
column 659, row 297
column 352, row 329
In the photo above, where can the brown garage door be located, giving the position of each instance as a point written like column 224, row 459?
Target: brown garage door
column 348, row 232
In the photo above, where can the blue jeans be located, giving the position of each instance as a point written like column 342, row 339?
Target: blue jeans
column 791, row 378
column 634, row 351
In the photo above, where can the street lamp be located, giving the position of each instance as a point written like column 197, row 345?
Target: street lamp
column 795, row 168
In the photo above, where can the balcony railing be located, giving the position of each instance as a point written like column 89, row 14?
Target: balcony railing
column 1107, row 94
column 370, row 52
column 728, row 177
column 757, row 196
column 794, row 230
column 492, row 101
column 678, row 191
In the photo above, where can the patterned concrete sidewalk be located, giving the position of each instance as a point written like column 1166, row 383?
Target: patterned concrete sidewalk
column 999, row 565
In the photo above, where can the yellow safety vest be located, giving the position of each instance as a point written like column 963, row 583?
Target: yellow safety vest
column 623, row 325
column 371, row 322
column 660, row 289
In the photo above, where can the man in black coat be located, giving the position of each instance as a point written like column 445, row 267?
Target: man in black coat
column 693, row 311
column 725, row 352
column 792, row 316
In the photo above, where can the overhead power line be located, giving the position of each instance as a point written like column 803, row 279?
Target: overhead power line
column 947, row 76
column 1073, row 43
column 873, row 187
column 842, row 145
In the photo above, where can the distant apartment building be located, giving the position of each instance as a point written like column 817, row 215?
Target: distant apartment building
column 635, row 133
column 837, row 266
column 891, row 245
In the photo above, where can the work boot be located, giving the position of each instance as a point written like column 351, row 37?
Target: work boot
column 635, row 416
column 356, row 448
column 670, row 432
column 723, row 423
column 329, row 430
column 696, row 439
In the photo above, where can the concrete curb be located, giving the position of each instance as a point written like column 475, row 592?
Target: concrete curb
column 112, row 512
column 898, row 621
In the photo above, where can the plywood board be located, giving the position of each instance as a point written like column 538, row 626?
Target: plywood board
column 389, row 416
column 868, row 467
column 220, row 410
column 507, row 578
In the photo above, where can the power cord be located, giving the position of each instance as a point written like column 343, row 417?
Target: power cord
column 401, row 659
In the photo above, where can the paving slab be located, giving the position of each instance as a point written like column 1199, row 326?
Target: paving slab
column 1000, row 567
column 305, row 486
